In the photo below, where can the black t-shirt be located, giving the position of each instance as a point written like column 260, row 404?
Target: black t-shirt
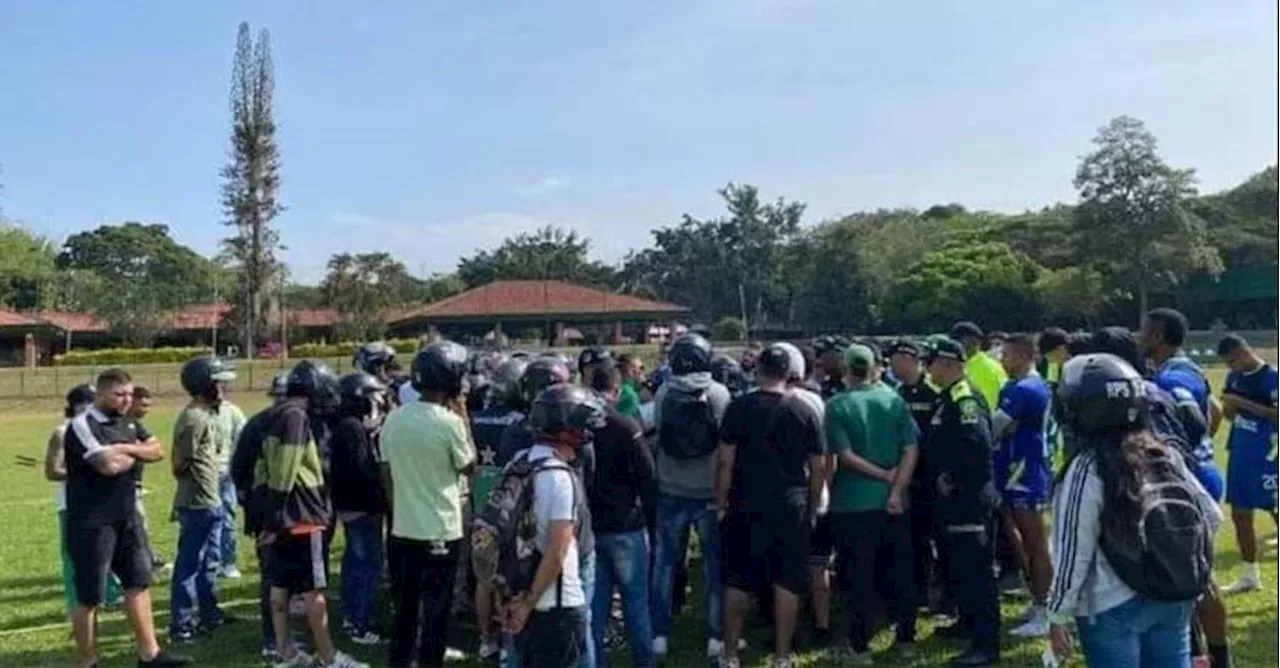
column 624, row 475
column 91, row 496
column 775, row 435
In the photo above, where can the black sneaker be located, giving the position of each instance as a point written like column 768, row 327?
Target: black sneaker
column 166, row 660
column 953, row 632
column 183, row 637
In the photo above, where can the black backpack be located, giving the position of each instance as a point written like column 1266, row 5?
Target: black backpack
column 1167, row 554
column 688, row 429
column 504, row 551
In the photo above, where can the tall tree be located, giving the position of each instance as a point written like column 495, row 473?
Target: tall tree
column 26, row 267
column 550, row 253
column 361, row 287
column 131, row 276
column 1132, row 215
column 251, row 182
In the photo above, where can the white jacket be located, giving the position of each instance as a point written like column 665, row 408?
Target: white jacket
column 1084, row 583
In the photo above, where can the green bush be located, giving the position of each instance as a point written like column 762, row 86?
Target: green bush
column 729, row 329
column 113, row 356
column 347, row 349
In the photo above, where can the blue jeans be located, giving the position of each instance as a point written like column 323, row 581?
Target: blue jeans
column 361, row 571
column 226, row 535
column 675, row 516
column 587, row 571
column 1138, row 633
column 195, row 570
column 622, row 561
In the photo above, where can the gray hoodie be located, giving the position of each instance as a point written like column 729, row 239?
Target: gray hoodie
column 689, row 478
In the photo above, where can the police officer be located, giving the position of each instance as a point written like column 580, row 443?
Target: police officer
column 959, row 453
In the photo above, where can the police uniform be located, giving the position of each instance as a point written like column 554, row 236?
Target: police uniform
column 959, row 453
column 921, row 398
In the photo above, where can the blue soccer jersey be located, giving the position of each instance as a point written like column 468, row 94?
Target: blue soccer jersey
column 1022, row 464
column 1252, row 469
column 1183, row 379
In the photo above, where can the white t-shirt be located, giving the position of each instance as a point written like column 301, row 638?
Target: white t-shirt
column 814, row 400
column 553, row 500
column 408, row 395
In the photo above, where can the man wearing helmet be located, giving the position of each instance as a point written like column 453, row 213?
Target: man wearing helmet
column 688, row 410
column 505, row 410
column 199, row 441
column 426, row 451
column 359, row 501
column 297, row 512
column 549, row 618
column 769, row 476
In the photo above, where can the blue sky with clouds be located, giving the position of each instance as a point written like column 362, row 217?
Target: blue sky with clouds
column 431, row 129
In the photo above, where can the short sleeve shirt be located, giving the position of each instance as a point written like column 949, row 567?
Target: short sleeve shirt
column 874, row 423
column 1253, row 435
column 775, row 435
column 425, row 445
column 555, row 498
column 1025, row 450
column 196, row 441
column 1185, row 380
column 91, row 496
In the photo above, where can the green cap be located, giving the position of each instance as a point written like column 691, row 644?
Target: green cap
column 859, row 356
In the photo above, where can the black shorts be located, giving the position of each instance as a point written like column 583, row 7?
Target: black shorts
column 770, row 546
column 822, row 543
column 296, row 563
column 97, row 548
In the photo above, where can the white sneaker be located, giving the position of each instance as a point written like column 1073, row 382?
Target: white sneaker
column 451, row 655
column 299, row 660
column 489, row 651
column 1241, row 586
column 231, row 572
column 366, row 638
column 660, row 646
column 344, row 660
column 1036, row 627
column 715, row 647
column 783, row 662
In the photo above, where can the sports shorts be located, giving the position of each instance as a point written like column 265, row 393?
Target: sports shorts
column 296, row 562
column 822, row 545
column 1210, row 478
column 1251, row 482
column 98, row 549
column 767, row 546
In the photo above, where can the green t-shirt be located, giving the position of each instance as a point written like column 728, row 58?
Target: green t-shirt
column 874, row 423
column 195, row 441
column 426, row 446
column 988, row 377
column 628, row 401
column 230, row 421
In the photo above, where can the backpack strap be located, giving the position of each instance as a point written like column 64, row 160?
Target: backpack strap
column 553, row 464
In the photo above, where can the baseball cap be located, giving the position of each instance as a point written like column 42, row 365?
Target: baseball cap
column 859, row 356
column 965, row 329
column 903, row 347
column 593, row 355
column 945, row 347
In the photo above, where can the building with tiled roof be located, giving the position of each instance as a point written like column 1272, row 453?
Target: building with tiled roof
column 547, row 308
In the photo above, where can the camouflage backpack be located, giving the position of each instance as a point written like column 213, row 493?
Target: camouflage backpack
column 503, row 548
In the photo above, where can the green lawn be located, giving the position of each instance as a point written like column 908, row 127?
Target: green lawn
column 33, row 631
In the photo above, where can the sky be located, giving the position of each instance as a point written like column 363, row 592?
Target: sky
column 434, row 129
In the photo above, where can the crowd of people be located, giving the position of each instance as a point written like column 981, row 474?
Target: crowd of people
column 547, row 497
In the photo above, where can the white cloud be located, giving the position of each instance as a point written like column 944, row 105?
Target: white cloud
column 542, row 186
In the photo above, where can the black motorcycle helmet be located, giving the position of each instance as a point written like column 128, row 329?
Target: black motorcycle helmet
column 540, row 374
column 691, row 353
column 315, row 381
column 593, row 355
column 279, row 387
column 566, row 413
column 440, row 367
column 782, row 360
column 1101, row 393
column 359, row 390
column 200, row 376
column 374, row 357
column 505, row 384
column 728, row 372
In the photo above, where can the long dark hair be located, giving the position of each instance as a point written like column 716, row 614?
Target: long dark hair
column 1124, row 460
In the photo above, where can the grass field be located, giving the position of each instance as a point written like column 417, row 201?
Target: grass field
column 34, row 633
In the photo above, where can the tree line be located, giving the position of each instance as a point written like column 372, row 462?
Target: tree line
column 1138, row 231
